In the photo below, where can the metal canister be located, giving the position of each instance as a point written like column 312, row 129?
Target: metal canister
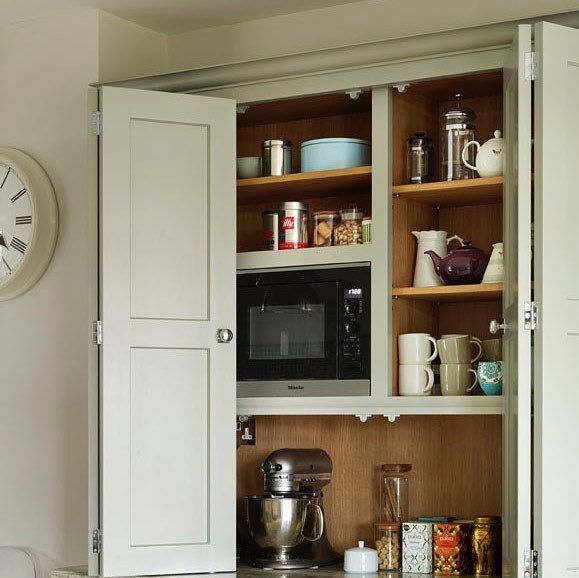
column 270, row 230
column 293, row 225
column 486, row 546
column 276, row 157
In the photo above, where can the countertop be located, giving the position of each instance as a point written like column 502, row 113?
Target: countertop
column 245, row 571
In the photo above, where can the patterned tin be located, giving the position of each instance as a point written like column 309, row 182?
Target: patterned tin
column 451, row 543
column 417, row 547
column 486, row 546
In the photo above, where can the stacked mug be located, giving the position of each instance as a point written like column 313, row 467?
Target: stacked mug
column 457, row 377
column 416, row 351
column 490, row 369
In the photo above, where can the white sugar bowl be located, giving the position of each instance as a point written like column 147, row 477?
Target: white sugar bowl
column 361, row 560
column 489, row 158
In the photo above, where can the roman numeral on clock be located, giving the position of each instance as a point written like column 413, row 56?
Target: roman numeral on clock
column 19, row 245
column 5, row 177
column 18, row 195
column 26, row 220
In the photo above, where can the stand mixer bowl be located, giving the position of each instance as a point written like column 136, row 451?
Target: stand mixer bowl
column 284, row 522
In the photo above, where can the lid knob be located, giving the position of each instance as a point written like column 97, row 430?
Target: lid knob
column 360, row 543
column 498, row 134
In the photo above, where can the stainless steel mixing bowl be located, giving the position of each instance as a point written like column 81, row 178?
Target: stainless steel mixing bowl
column 280, row 522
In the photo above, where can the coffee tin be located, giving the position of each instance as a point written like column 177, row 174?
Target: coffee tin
column 293, row 225
column 486, row 546
column 417, row 547
column 270, row 230
column 451, row 543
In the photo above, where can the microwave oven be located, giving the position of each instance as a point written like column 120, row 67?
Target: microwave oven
column 304, row 332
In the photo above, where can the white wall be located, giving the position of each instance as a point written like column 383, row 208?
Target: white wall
column 45, row 67
column 356, row 23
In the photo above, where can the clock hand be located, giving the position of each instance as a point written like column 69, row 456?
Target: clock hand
column 6, row 264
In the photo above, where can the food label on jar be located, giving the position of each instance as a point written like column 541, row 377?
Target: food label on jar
column 450, row 548
column 288, row 223
column 417, row 547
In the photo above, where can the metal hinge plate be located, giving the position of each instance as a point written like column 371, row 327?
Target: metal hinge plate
column 531, row 66
column 531, row 564
column 97, row 332
column 97, row 541
column 530, row 315
column 97, row 123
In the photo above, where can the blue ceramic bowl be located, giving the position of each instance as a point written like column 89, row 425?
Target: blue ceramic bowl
column 326, row 154
column 490, row 377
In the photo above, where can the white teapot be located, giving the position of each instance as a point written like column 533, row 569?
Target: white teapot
column 489, row 157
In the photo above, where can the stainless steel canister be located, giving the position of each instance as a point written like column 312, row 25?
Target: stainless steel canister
column 276, row 157
column 293, row 225
column 270, row 230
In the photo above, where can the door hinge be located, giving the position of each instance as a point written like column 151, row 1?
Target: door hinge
column 97, row 123
column 97, row 332
column 97, row 541
column 530, row 315
column 531, row 564
column 531, row 66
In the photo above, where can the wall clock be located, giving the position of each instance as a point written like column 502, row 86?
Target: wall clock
column 28, row 222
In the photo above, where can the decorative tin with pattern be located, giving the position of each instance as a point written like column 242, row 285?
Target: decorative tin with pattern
column 417, row 547
column 451, row 548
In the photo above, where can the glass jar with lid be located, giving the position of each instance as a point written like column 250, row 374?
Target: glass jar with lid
column 394, row 483
column 324, row 224
column 349, row 231
column 457, row 130
column 419, row 159
column 388, row 545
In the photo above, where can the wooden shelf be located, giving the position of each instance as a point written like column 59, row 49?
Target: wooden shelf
column 482, row 292
column 304, row 257
column 303, row 185
column 453, row 193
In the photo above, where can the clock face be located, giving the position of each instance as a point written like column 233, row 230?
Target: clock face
column 16, row 222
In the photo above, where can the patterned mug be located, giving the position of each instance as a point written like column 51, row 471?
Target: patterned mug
column 490, row 377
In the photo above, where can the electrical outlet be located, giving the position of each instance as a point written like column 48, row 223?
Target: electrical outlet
column 246, row 432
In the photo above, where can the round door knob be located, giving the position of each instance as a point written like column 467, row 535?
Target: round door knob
column 495, row 326
column 224, row 335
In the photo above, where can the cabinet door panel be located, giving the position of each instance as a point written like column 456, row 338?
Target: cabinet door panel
column 516, row 339
column 557, row 293
column 167, row 411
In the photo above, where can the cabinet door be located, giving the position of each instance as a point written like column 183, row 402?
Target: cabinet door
column 556, row 465
column 167, row 411
column 516, row 339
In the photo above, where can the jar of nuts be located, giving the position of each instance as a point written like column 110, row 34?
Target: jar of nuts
column 389, row 546
column 349, row 231
column 324, row 223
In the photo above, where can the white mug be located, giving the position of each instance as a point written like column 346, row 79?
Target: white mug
column 473, row 340
column 416, row 348
column 415, row 379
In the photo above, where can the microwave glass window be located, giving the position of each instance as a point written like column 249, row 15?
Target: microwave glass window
column 285, row 332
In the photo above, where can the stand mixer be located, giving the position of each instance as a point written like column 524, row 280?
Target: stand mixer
column 287, row 524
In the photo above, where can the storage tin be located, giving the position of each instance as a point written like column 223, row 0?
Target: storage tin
column 270, row 230
column 417, row 547
column 326, row 154
column 451, row 549
column 293, row 226
column 367, row 229
column 276, row 157
column 486, row 546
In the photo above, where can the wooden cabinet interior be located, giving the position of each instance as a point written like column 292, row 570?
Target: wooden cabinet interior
column 420, row 109
column 299, row 120
column 456, row 465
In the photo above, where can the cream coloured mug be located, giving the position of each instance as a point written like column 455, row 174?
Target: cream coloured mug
column 415, row 379
column 416, row 348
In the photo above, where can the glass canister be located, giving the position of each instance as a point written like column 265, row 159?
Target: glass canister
column 349, row 231
column 419, row 159
column 324, row 223
column 388, row 546
column 394, row 483
column 486, row 546
column 457, row 131
column 276, row 157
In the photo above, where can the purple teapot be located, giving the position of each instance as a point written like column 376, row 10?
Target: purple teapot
column 463, row 266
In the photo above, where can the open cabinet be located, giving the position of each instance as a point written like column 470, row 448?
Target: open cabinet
column 171, row 227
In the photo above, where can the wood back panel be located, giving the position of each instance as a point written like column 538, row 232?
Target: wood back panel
column 456, row 465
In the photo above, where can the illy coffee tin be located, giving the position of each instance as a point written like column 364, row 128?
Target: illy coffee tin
column 293, row 226
column 417, row 547
column 270, row 232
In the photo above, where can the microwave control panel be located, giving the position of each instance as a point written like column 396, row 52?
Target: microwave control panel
column 352, row 320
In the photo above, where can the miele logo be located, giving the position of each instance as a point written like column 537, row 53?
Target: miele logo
column 288, row 223
column 295, row 387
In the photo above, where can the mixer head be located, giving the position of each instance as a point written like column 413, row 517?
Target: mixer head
column 291, row 470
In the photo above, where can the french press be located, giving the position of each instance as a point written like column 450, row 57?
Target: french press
column 458, row 130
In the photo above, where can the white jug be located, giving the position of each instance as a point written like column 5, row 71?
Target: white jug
column 424, row 272
column 489, row 157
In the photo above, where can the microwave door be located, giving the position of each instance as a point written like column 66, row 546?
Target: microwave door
column 287, row 332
